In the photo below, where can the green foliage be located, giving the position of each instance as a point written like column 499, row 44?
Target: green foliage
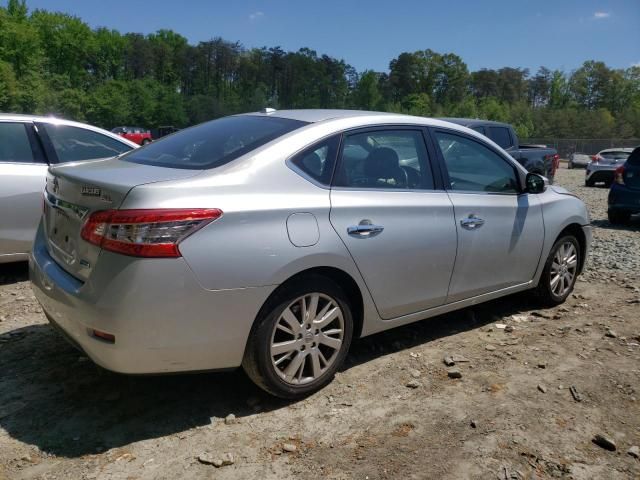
column 55, row 63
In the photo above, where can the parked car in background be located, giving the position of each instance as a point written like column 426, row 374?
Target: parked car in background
column 624, row 196
column 138, row 135
column 270, row 240
column 603, row 165
column 165, row 130
column 579, row 160
column 28, row 145
column 535, row 158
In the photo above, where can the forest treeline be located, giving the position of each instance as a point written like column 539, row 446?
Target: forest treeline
column 54, row 63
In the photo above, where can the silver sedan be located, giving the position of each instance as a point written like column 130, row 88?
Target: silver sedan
column 28, row 145
column 270, row 240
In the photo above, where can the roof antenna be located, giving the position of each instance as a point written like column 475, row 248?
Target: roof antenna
column 267, row 110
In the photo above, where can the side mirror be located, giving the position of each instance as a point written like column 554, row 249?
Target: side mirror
column 536, row 183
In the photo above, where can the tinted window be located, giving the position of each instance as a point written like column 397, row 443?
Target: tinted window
column 634, row 158
column 73, row 144
column 474, row 167
column 385, row 159
column 317, row 161
column 14, row 143
column 501, row 136
column 214, row 143
column 478, row 129
column 615, row 155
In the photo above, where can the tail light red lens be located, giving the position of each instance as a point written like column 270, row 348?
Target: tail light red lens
column 145, row 233
column 619, row 175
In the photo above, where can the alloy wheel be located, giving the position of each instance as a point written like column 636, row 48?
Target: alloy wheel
column 307, row 338
column 563, row 269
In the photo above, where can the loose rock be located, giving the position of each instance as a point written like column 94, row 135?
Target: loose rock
column 605, row 442
column 542, row 388
column 415, row 373
column 448, row 361
column 228, row 459
column 289, row 447
column 455, row 373
column 634, row 451
column 230, row 419
column 209, row 459
column 413, row 384
column 491, row 348
column 610, row 333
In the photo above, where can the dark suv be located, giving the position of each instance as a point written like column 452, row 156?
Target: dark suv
column 624, row 196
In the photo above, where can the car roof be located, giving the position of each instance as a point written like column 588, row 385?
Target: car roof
column 472, row 122
column 318, row 115
column 625, row 149
column 16, row 117
column 364, row 117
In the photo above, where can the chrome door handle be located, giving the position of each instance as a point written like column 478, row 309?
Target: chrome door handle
column 365, row 229
column 471, row 222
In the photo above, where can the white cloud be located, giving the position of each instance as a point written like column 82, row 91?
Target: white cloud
column 256, row 16
column 601, row 15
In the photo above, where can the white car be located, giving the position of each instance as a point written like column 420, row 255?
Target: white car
column 28, row 145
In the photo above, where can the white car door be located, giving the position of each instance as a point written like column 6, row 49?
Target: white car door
column 500, row 228
column 23, row 172
column 395, row 220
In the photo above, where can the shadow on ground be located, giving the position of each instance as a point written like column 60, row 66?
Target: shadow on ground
column 14, row 273
column 632, row 226
column 52, row 397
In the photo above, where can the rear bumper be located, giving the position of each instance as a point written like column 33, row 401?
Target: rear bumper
column 622, row 198
column 599, row 173
column 162, row 319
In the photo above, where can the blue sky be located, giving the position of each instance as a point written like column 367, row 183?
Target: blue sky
column 368, row 34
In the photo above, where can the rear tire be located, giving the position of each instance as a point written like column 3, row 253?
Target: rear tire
column 146, row 141
column 560, row 271
column 589, row 183
column 291, row 354
column 618, row 217
column 570, row 166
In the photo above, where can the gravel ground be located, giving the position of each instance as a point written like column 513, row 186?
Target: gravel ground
column 529, row 403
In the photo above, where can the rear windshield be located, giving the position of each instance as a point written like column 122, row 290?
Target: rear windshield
column 615, row 155
column 634, row 158
column 214, row 143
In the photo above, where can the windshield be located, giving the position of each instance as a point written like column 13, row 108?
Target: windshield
column 214, row 143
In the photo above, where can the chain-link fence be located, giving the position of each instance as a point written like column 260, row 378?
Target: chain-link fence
column 590, row 146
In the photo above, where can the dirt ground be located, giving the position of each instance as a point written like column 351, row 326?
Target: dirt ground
column 512, row 415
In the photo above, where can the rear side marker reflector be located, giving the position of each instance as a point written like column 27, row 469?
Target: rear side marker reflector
column 107, row 337
column 146, row 232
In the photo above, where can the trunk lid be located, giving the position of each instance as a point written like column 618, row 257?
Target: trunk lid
column 75, row 191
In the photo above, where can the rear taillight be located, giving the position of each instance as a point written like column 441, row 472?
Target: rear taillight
column 619, row 175
column 145, row 233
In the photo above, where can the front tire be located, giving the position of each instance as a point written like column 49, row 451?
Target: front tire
column 300, row 339
column 589, row 183
column 560, row 271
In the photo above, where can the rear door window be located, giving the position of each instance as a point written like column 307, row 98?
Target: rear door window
column 14, row 143
column 214, row 143
column 501, row 136
column 73, row 144
column 388, row 159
